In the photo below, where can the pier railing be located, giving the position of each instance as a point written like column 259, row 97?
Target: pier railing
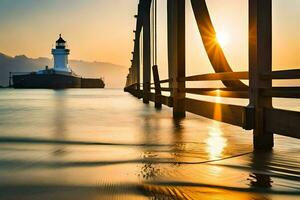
column 259, row 115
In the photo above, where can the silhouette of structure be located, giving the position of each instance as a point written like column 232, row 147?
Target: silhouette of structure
column 59, row 77
column 259, row 115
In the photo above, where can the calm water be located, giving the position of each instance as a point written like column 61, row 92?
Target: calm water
column 105, row 144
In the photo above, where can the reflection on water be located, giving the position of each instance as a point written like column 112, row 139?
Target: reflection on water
column 59, row 119
column 149, row 171
column 215, row 142
column 105, row 144
column 260, row 177
column 179, row 146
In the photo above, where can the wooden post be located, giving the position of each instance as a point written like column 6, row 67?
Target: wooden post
column 170, row 42
column 137, row 62
column 176, row 45
column 146, row 51
column 260, row 62
column 130, row 75
column 10, row 77
column 133, row 71
column 157, row 87
column 127, row 81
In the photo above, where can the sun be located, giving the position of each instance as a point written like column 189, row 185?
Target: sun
column 222, row 38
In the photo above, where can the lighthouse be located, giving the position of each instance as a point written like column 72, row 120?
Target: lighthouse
column 59, row 77
column 60, row 55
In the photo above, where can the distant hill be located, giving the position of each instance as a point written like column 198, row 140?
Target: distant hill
column 114, row 75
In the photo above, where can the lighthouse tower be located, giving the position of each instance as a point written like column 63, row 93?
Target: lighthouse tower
column 60, row 55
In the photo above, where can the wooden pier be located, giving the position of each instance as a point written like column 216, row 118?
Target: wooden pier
column 259, row 115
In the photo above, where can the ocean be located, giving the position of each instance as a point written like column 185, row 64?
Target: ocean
column 106, row 144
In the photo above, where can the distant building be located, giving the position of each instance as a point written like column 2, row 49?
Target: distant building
column 60, row 76
column 60, row 55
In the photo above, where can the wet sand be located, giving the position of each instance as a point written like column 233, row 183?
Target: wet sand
column 105, row 144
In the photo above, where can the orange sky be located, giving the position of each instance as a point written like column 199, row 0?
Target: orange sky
column 102, row 30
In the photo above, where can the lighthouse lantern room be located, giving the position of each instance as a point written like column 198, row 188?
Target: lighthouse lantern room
column 60, row 55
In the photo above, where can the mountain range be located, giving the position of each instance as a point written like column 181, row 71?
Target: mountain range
column 114, row 75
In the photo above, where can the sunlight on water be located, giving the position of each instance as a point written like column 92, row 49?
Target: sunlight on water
column 106, row 144
column 215, row 142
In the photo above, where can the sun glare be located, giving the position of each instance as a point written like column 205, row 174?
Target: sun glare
column 216, row 142
column 222, row 38
column 218, row 96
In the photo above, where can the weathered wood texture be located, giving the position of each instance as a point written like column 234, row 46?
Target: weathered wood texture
column 170, row 42
column 231, row 114
column 146, row 5
column 167, row 101
column 166, row 81
column 283, row 74
column 157, row 87
column 176, row 45
column 282, row 92
column 218, row 77
column 260, row 62
column 283, row 122
column 132, row 89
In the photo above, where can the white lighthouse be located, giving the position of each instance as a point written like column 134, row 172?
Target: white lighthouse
column 60, row 55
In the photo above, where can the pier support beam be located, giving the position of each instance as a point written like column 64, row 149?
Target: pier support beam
column 10, row 80
column 170, row 44
column 260, row 62
column 157, row 87
column 146, row 51
column 137, row 62
column 176, row 55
